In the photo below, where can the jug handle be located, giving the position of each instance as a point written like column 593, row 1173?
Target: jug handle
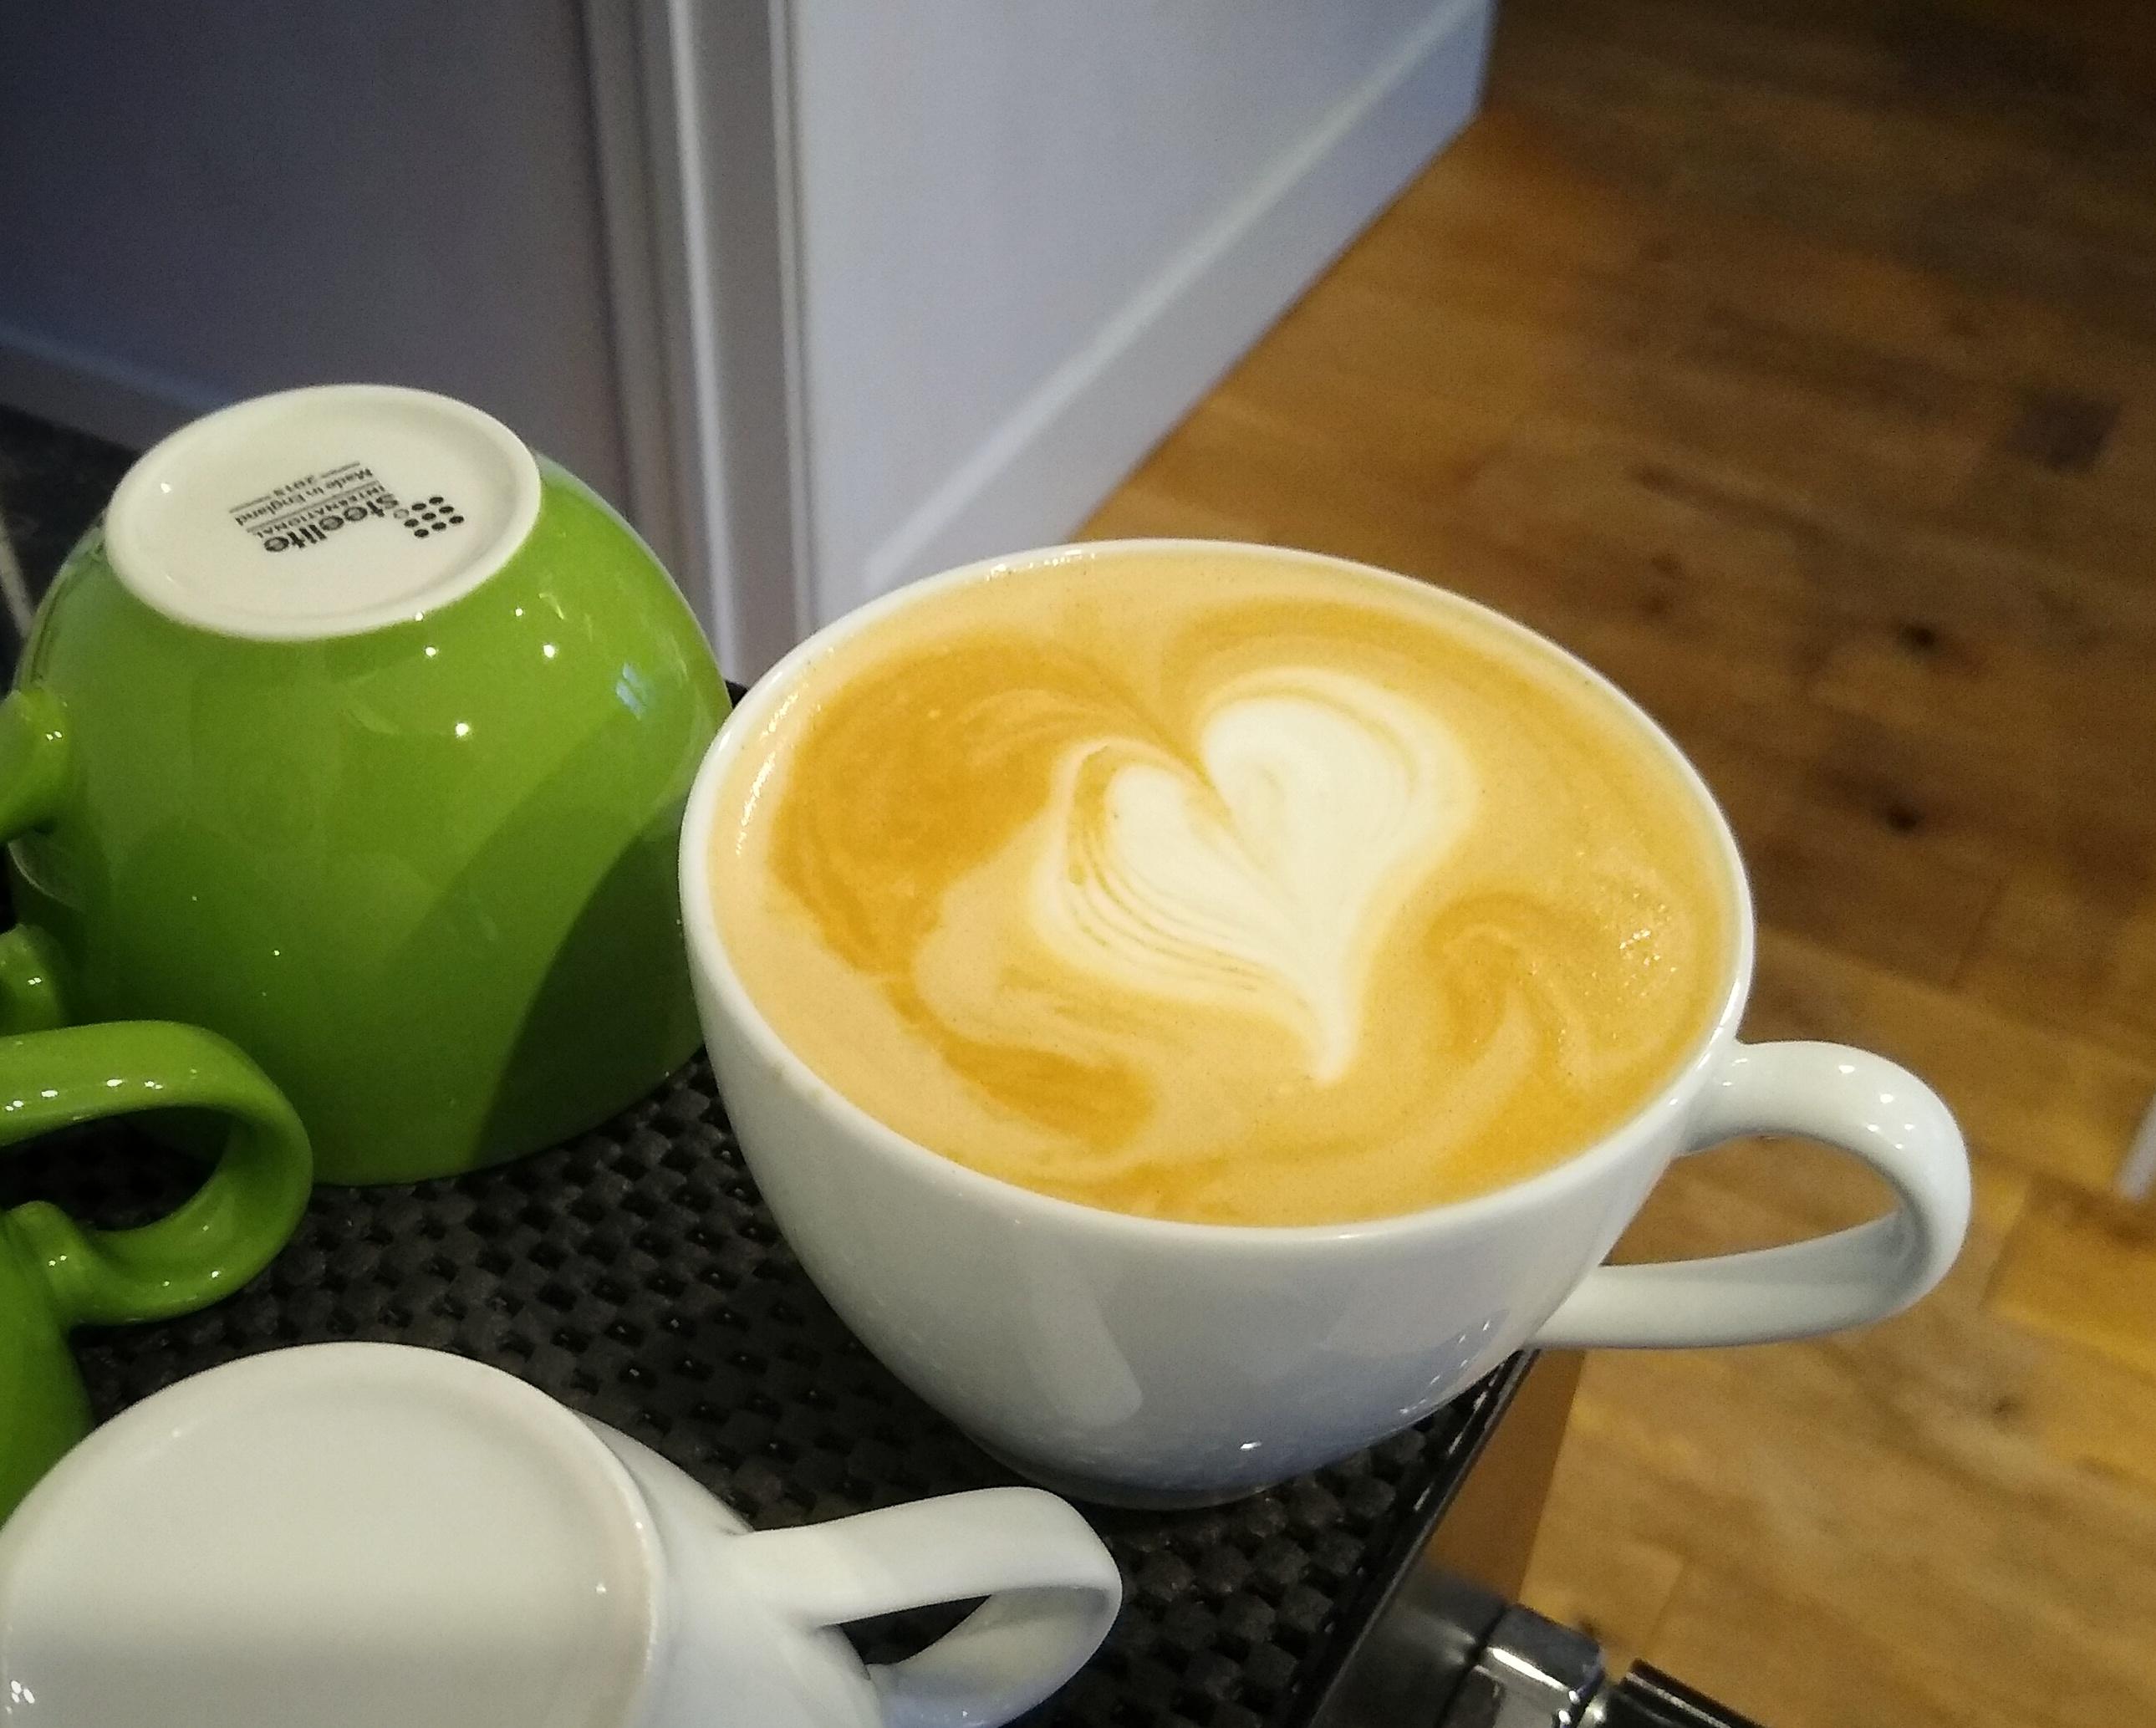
column 1053, row 1592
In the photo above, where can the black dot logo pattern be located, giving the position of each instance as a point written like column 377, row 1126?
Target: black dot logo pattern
column 422, row 516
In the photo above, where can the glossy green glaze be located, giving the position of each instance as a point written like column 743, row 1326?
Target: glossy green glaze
column 423, row 875
column 43, row 1409
column 55, row 1275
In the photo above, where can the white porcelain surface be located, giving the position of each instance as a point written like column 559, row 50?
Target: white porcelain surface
column 365, row 1536
column 1137, row 1359
column 324, row 512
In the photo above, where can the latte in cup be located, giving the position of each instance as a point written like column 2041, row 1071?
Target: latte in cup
column 1207, row 884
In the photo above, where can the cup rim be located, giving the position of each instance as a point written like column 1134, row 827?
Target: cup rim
column 569, row 1440
column 770, row 696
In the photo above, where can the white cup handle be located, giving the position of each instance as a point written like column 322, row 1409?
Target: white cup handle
column 1861, row 1102
column 1053, row 1592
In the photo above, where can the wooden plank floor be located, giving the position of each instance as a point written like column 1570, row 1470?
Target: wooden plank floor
column 1796, row 364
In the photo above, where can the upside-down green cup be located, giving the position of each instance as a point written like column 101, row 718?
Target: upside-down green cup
column 56, row 1275
column 360, row 735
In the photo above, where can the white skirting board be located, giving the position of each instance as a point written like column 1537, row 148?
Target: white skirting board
column 1037, row 475
column 96, row 392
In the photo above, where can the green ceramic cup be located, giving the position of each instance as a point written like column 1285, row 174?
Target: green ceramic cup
column 55, row 1275
column 360, row 736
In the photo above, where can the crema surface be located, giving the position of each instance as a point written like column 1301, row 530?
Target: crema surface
column 1212, row 886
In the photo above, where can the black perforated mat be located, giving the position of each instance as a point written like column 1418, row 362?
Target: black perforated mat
column 635, row 1275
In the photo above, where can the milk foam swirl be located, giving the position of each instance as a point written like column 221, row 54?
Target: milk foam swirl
column 1268, row 880
column 1221, row 887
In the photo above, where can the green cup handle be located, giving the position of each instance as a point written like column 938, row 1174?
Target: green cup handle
column 53, row 1076
column 33, row 767
column 227, row 1231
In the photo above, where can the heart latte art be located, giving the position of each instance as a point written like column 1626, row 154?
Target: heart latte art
column 1224, row 887
column 1269, row 874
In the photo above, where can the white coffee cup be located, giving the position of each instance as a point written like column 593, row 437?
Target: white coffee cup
column 1138, row 1360
column 368, row 1535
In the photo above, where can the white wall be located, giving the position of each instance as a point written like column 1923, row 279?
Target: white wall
column 1028, row 234
column 826, row 293
column 198, row 203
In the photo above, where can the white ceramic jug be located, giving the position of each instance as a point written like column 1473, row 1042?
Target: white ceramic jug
column 358, row 1536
